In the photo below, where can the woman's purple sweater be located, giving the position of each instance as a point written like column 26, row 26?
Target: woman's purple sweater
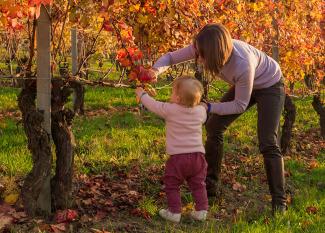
column 248, row 68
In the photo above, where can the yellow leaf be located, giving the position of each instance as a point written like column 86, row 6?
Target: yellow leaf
column 258, row 6
column 143, row 19
column 239, row 7
column 135, row 8
column 302, row 74
column 3, row 20
column 255, row 7
column 289, row 54
column 11, row 199
column 188, row 207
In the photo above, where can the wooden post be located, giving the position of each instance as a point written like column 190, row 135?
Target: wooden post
column 44, row 89
column 74, row 50
column 10, row 65
column 74, row 56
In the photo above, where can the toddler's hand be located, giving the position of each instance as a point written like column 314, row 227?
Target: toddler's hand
column 139, row 91
column 205, row 105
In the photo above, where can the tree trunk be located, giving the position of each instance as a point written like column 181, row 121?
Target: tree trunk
column 289, row 120
column 78, row 102
column 63, row 139
column 291, row 86
column 199, row 75
column 289, row 106
column 320, row 109
column 40, row 147
column 11, row 69
column 74, row 50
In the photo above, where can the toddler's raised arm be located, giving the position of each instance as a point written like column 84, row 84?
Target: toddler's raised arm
column 160, row 108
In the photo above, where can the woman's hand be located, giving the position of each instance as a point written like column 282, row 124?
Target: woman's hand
column 151, row 73
column 205, row 105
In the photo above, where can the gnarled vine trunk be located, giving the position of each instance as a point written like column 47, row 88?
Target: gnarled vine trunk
column 320, row 109
column 199, row 75
column 64, row 142
column 78, row 101
column 289, row 120
column 39, row 146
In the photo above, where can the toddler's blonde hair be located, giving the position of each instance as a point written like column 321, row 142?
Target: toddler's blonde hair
column 189, row 90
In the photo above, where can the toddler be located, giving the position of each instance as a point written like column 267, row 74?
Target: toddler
column 184, row 117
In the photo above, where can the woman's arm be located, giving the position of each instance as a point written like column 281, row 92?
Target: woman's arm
column 172, row 58
column 243, row 92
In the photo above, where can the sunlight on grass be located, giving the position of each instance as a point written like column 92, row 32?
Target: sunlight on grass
column 14, row 155
column 122, row 137
column 149, row 205
column 8, row 98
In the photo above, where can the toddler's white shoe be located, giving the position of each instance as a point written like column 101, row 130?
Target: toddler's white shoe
column 199, row 215
column 166, row 214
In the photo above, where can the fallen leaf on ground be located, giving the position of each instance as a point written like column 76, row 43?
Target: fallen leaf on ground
column 5, row 220
column 87, row 201
column 100, row 215
column 85, row 219
column 66, row 216
column 42, row 227
column 306, row 223
column 11, row 198
column 289, row 199
column 140, row 213
column 188, row 208
column 58, row 228
column 311, row 210
column 266, row 220
column 238, row 187
column 5, row 208
column 98, row 231
column 20, row 217
column 313, row 165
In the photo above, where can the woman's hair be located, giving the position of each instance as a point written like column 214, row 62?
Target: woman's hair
column 189, row 90
column 214, row 45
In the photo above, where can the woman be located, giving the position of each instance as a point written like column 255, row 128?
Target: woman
column 256, row 79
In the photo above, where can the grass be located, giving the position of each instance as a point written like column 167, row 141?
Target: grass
column 122, row 135
column 15, row 159
column 296, row 219
column 8, row 99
